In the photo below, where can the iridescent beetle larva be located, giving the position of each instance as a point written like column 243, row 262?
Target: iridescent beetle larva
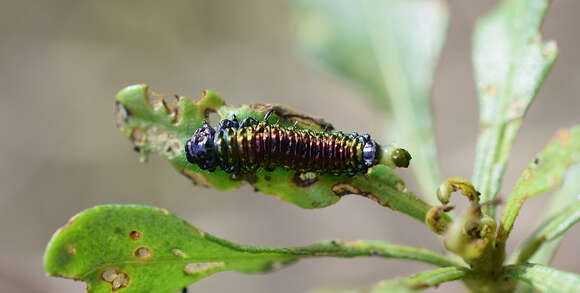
column 248, row 145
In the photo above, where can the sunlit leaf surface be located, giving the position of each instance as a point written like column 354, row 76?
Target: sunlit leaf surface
column 543, row 278
column 568, row 195
column 145, row 249
column 550, row 230
column 544, row 173
column 510, row 61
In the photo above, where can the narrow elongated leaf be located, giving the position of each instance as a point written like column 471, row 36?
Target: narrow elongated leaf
column 549, row 231
column 546, row 172
column 389, row 49
column 568, row 195
column 147, row 249
column 510, row 61
column 544, row 278
column 162, row 124
column 422, row 280
column 414, row 283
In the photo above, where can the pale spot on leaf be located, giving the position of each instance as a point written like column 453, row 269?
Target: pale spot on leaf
column 196, row 268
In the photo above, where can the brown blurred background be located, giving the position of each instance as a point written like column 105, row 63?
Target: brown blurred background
column 62, row 62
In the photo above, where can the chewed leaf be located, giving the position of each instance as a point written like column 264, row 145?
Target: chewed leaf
column 546, row 172
column 141, row 249
column 510, row 61
column 162, row 124
column 145, row 249
column 390, row 50
column 543, row 278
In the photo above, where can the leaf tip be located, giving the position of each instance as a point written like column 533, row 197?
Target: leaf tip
column 550, row 49
column 132, row 90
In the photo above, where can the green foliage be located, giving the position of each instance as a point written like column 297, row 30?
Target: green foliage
column 421, row 281
column 412, row 284
column 551, row 230
column 566, row 196
column 510, row 63
column 394, row 64
column 544, row 173
column 543, row 278
column 138, row 248
column 147, row 249
column 162, row 124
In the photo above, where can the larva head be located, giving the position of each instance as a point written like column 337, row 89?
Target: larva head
column 199, row 149
column 401, row 158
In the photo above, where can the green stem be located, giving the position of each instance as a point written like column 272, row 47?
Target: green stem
column 339, row 248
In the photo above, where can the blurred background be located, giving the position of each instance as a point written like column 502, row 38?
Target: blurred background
column 62, row 62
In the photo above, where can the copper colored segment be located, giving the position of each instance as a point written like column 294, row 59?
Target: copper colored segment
column 258, row 147
column 332, row 153
column 352, row 159
column 266, row 137
column 271, row 145
column 295, row 141
column 341, row 153
column 251, row 146
column 274, row 146
column 305, row 155
column 326, row 154
column 300, row 149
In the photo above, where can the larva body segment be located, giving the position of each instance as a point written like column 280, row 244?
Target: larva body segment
column 244, row 147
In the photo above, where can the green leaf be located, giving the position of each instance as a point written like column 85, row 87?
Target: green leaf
column 414, row 283
column 546, row 172
column 544, row 278
column 537, row 249
column 422, row 280
column 389, row 49
column 147, row 249
column 566, row 196
column 162, row 124
column 551, row 230
column 510, row 62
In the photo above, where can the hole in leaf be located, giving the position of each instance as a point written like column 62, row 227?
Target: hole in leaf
column 121, row 114
column 212, row 117
column 178, row 252
column 118, row 280
column 71, row 249
column 135, row 235
column 305, row 179
column 143, row 252
column 196, row 268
